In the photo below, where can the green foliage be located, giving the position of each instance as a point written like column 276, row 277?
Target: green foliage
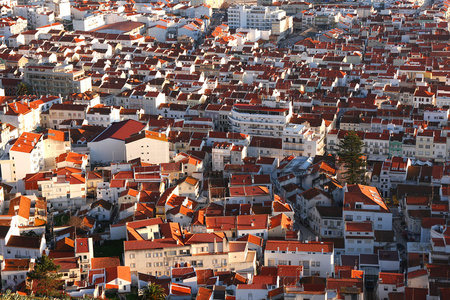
column 44, row 277
column 109, row 249
column 351, row 155
column 8, row 295
column 29, row 233
column 23, row 88
column 153, row 292
column 61, row 220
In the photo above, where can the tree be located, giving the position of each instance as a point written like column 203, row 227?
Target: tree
column 153, row 292
column 30, row 233
column 44, row 277
column 225, row 5
column 23, row 88
column 351, row 155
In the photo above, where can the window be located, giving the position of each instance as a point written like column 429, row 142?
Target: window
column 132, row 255
column 132, row 265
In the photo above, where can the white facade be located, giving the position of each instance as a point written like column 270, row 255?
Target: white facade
column 258, row 17
column 317, row 258
column 302, row 141
column 25, row 157
column 89, row 23
column 62, row 193
column 259, row 120
column 151, row 147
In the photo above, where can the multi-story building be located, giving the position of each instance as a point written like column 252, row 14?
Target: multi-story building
column 62, row 112
column 359, row 237
column 89, row 22
column 326, row 221
column 387, row 175
column 259, row 120
column 260, row 17
column 316, row 258
column 21, row 115
column 64, row 188
column 36, row 15
column 425, row 144
column 57, row 80
column 151, row 147
column 227, row 153
column 158, row 256
column 101, row 115
column 25, row 156
column 301, row 140
column 12, row 26
column 364, row 203
column 149, row 101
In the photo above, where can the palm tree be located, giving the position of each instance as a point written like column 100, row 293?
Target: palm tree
column 23, row 88
column 153, row 292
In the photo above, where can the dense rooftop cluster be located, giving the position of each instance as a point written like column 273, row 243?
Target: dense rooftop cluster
column 195, row 145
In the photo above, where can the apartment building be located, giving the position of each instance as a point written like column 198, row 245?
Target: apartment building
column 227, row 153
column 301, row 140
column 259, row 120
column 260, row 17
column 202, row 251
column 316, row 258
column 59, row 112
column 151, row 147
column 364, row 203
column 359, row 237
column 57, row 80
column 25, row 156
column 101, row 115
column 22, row 115
column 12, row 26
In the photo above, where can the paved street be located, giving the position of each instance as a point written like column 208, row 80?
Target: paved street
column 305, row 232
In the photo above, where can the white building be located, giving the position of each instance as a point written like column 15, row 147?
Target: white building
column 364, row 203
column 359, row 237
column 25, row 156
column 109, row 146
column 149, row 102
column 227, row 153
column 390, row 283
column 301, row 140
column 151, row 147
column 259, row 120
column 37, row 16
column 100, row 115
column 89, row 22
column 260, row 17
column 317, row 258
column 57, row 80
